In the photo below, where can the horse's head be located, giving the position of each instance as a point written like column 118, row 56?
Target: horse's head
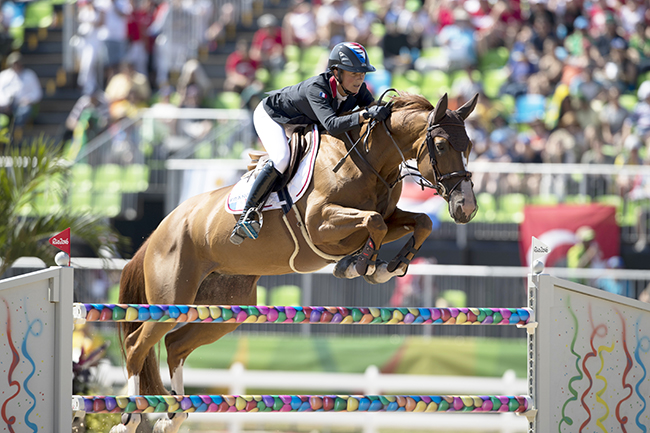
column 442, row 158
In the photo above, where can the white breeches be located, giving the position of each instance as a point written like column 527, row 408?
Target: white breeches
column 273, row 138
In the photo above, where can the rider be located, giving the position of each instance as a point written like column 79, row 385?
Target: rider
column 318, row 100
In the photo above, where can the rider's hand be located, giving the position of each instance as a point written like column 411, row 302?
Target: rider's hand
column 377, row 112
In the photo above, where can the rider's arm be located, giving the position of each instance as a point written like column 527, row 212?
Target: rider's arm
column 327, row 116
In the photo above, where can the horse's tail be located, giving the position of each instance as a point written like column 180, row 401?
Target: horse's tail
column 132, row 291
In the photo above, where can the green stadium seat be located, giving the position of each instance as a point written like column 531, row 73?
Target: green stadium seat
column 577, row 199
column 544, row 200
column 80, row 201
column 136, row 178
column 376, row 56
column 108, row 178
column 82, row 177
column 107, row 203
column 493, row 80
column 494, row 59
column 632, row 211
column 39, row 14
column 292, row 53
column 435, row 83
column 313, row 60
column 228, row 101
column 511, row 208
column 628, row 101
column 487, row 208
column 410, row 81
column 452, row 299
column 613, row 200
column 262, row 295
column 287, row 295
column 286, row 78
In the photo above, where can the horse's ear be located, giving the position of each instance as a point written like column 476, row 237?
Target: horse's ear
column 468, row 107
column 441, row 109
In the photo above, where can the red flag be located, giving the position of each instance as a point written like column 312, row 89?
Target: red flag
column 556, row 227
column 62, row 241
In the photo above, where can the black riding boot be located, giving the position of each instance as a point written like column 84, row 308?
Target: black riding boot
column 248, row 226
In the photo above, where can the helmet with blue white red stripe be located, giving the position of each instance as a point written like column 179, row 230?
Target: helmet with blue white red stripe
column 350, row 56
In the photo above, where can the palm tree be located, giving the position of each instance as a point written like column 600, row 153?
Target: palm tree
column 26, row 170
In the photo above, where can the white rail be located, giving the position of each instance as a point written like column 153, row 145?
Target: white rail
column 237, row 379
column 435, row 270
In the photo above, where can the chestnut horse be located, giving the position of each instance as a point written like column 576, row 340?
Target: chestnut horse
column 348, row 215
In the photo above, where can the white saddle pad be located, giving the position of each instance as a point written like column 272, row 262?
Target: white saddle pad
column 297, row 186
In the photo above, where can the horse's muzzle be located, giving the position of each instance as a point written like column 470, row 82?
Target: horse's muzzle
column 462, row 203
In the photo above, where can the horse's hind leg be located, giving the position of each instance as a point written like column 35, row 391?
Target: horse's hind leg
column 216, row 289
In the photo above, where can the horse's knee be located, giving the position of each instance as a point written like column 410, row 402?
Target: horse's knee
column 376, row 225
column 423, row 223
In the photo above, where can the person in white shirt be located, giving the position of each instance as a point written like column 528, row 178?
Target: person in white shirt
column 20, row 90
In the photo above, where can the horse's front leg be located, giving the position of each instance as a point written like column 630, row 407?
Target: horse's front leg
column 344, row 227
column 400, row 224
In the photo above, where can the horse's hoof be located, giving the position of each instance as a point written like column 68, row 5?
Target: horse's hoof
column 380, row 275
column 167, row 425
column 130, row 422
column 342, row 266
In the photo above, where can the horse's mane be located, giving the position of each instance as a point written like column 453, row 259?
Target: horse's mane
column 410, row 101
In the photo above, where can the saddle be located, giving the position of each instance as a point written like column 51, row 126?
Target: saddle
column 304, row 148
column 301, row 140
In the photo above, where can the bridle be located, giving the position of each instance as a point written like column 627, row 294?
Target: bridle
column 439, row 178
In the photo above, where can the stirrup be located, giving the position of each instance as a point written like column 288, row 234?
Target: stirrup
column 247, row 227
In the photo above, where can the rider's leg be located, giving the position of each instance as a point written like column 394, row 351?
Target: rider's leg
column 275, row 143
column 248, row 226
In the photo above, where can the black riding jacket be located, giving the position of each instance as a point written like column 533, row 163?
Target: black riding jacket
column 314, row 101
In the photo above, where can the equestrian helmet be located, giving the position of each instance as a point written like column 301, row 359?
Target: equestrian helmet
column 350, row 56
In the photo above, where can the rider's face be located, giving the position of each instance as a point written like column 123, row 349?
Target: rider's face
column 351, row 80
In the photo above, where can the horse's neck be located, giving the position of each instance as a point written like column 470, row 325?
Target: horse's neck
column 391, row 145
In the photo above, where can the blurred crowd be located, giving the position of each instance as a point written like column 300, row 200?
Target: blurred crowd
column 562, row 81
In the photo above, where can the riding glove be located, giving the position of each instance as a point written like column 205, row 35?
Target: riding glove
column 377, row 112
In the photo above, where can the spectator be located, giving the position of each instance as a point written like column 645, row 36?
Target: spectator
column 127, row 91
column 299, row 25
column 403, row 36
column 602, row 44
column 640, row 48
column 358, row 24
column 612, row 117
column 458, row 42
column 240, row 68
column 577, row 43
column 586, row 253
column 180, row 28
column 217, row 30
column 20, row 90
column 639, row 120
column 267, row 47
column 5, row 37
column 550, row 64
column 193, row 74
column 615, row 285
column 140, row 42
column 619, row 68
column 88, row 118
column 113, row 31
column 330, row 23
column 91, row 62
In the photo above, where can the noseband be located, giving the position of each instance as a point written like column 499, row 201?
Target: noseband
column 439, row 178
